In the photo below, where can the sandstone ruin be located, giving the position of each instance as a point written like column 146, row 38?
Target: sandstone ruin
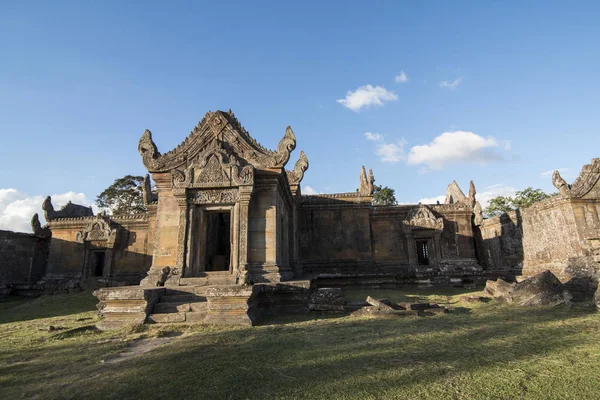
column 230, row 236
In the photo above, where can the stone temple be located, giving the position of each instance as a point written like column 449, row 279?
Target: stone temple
column 229, row 236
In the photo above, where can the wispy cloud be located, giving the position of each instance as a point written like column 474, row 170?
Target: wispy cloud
column 402, row 78
column 451, row 85
column 433, row 200
column 391, row 152
column 375, row 137
column 309, row 190
column 366, row 96
column 550, row 172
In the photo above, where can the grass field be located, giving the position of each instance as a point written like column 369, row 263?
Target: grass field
column 478, row 351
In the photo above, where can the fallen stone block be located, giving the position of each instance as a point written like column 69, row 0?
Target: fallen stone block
column 328, row 296
column 376, row 312
column 499, row 289
column 416, row 306
column 326, row 307
column 542, row 289
column 378, row 304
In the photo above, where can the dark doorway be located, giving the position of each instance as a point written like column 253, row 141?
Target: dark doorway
column 218, row 241
column 422, row 252
column 98, row 259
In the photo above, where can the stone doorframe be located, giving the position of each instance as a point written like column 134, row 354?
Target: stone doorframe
column 433, row 239
column 97, row 235
column 422, row 224
column 193, row 207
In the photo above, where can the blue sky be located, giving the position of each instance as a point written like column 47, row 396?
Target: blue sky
column 510, row 90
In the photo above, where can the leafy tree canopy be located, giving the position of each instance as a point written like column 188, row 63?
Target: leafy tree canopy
column 383, row 196
column 124, row 196
column 523, row 198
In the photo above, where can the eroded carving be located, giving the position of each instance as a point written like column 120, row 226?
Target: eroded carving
column 38, row 230
column 69, row 210
column 149, row 151
column 149, row 196
column 214, row 196
column 422, row 217
column 98, row 229
column 366, row 184
column 295, row 176
column 585, row 182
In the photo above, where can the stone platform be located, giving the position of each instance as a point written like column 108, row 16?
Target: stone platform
column 221, row 304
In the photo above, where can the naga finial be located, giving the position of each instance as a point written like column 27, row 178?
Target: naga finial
column 366, row 184
column 563, row 188
column 285, row 148
column 296, row 176
column 472, row 193
column 148, row 150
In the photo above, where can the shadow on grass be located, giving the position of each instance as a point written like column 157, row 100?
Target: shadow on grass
column 327, row 357
column 24, row 309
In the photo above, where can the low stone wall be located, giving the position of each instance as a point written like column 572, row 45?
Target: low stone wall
column 23, row 258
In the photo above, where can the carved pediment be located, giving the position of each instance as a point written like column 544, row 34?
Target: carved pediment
column 422, row 217
column 215, row 166
column 216, row 126
column 98, row 230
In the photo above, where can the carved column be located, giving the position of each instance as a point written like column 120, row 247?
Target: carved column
column 244, row 204
column 412, row 251
column 181, row 234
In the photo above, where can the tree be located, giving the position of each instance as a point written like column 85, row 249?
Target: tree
column 124, row 196
column 383, row 196
column 522, row 199
column 525, row 198
column 498, row 205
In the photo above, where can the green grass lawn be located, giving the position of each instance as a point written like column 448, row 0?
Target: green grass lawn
column 478, row 351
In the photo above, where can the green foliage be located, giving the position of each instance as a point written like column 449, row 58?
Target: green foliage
column 383, row 196
column 522, row 199
column 124, row 196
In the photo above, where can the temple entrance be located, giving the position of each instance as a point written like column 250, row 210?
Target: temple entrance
column 218, row 241
column 422, row 252
column 97, row 263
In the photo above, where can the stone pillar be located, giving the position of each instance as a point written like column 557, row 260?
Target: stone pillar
column 244, row 204
column 412, row 251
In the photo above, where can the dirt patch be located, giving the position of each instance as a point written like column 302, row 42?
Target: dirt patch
column 143, row 345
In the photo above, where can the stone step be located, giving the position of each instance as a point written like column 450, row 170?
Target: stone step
column 193, row 281
column 161, row 308
column 179, row 298
column 200, row 306
column 175, row 290
column 169, row 318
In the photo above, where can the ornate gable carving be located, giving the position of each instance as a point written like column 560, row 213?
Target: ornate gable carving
column 455, row 195
column 222, row 126
column 215, row 166
column 585, row 182
column 295, row 176
column 98, row 229
column 422, row 217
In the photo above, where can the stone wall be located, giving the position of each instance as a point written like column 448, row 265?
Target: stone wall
column 22, row 258
column 344, row 236
column 499, row 244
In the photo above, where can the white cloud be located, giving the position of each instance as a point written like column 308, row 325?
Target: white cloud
column 391, row 152
column 454, row 147
column 494, row 191
column 309, row 190
column 17, row 208
column 483, row 197
column 433, row 200
column 366, row 96
column 402, row 78
column 550, row 172
column 451, row 85
column 375, row 137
